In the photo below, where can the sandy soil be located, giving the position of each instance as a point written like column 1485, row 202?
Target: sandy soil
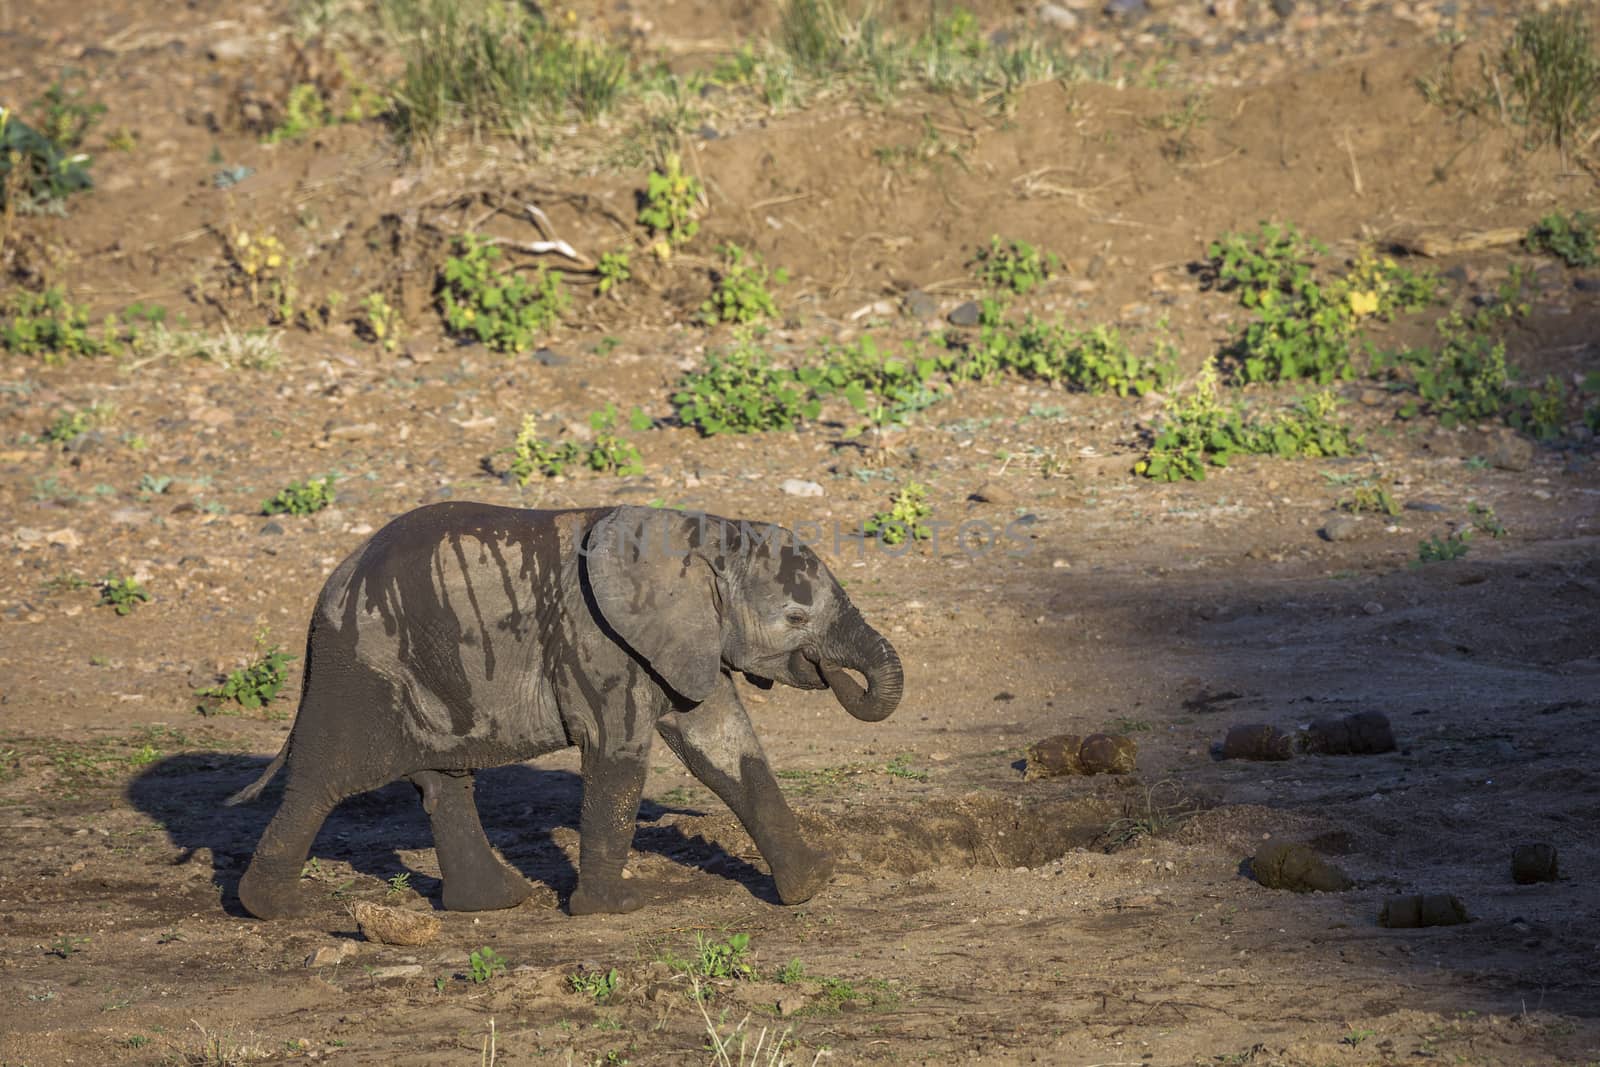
column 977, row 916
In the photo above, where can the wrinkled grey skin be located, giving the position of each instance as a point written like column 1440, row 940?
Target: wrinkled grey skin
column 465, row 635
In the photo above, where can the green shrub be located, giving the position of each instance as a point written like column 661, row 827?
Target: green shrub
column 1200, row 431
column 301, row 498
column 48, row 324
column 1464, row 380
column 613, row 269
column 596, row 984
column 1369, row 498
column 1569, row 237
column 1094, row 360
column 740, row 294
column 122, row 594
column 1304, row 327
column 1444, row 549
column 907, row 517
column 255, row 684
column 483, row 964
column 1552, row 75
column 1013, row 266
column 740, row 392
column 607, row 453
column 495, row 68
column 40, row 164
column 499, row 308
column 887, row 390
column 670, row 205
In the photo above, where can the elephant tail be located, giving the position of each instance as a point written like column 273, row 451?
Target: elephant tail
column 253, row 790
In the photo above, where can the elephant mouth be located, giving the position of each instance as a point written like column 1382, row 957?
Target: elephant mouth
column 806, row 671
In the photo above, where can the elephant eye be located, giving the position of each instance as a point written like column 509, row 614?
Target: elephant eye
column 796, row 617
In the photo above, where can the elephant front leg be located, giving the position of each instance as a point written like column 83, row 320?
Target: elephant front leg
column 612, row 783
column 474, row 878
column 717, row 743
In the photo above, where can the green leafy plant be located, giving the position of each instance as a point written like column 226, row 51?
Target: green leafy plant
column 1571, row 238
column 1552, row 75
column 255, row 684
column 1369, row 498
column 906, row 518
column 122, row 594
column 301, row 498
column 670, row 205
column 66, row 946
column 483, row 964
column 1200, row 431
column 613, row 270
column 740, row 392
column 1464, row 380
column 1484, row 520
column 596, row 984
column 40, row 165
column 48, row 324
column 70, row 425
column 900, row 767
column 304, row 110
column 723, row 959
column 740, row 292
column 1444, row 549
column 1013, row 266
column 399, row 884
column 1094, row 360
column 1303, row 326
column 606, row 453
column 381, row 322
column 497, row 307
column 790, row 973
column 884, row 388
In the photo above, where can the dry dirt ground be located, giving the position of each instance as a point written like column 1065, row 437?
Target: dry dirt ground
column 976, row 917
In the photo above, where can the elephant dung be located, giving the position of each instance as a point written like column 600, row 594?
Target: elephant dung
column 1533, row 863
column 1297, row 868
column 394, row 926
column 1107, row 754
column 1257, row 741
column 1422, row 909
column 1053, row 756
column 1363, row 733
column 1072, row 754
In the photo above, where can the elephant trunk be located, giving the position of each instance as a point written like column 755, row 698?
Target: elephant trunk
column 854, row 644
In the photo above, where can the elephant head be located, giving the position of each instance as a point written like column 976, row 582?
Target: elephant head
column 693, row 595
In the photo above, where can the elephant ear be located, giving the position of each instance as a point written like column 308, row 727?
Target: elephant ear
column 657, row 592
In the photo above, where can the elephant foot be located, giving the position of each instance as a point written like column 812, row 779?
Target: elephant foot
column 269, row 897
column 616, row 899
column 491, row 891
column 803, row 877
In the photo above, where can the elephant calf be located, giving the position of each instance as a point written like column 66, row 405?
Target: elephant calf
column 464, row 635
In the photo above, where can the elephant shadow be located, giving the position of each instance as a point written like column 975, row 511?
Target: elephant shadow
column 522, row 808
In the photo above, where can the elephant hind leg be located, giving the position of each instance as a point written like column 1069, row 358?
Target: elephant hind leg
column 474, row 877
column 270, row 888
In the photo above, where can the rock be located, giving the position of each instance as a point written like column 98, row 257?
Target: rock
column 790, row 1004
column 230, row 49
column 800, row 487
column 1421, row 909
column 352, row 433
column 130, row 517
column 394, row 926
column 707, row 132
column 1295, row 867
column 65, row 537
column 1372, row 607
column 1533, row 863
column 1062, row 754
column 1423, row 505
column 993, row 493
column 1257, row 741
column 1123, row 8
column 549, row 357
column 271, row 528
column 1283, row 8
column 1057, row 17
column 1343, row 528
column 397, row 970
column 965, row 314
column 920, row 305
column 1586, row 285
column 1361, row 734
column 1510, row 452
